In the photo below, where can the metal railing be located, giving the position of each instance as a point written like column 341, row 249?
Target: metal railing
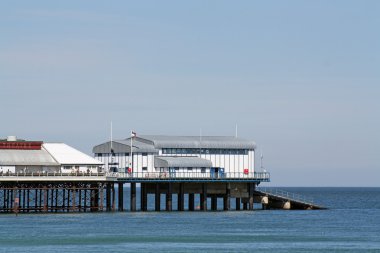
column 265, row 176
column 262, row 176
column 287, row 195
column 52, row 174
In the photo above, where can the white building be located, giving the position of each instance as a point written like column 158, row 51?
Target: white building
column 19, row 156
column 208, row 156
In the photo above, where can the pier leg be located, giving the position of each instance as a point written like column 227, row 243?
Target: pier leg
column 96, row 198
column 74, row 199
column 169, row 197
column 79, row 199
column 120, row 206
column 113, row 197
column 45, row 199
column 144, row 198
column 237, row 207
column 226, row 199
column 101, row 202
column 191, row 201
column 181, row 198
column 133, row 197
column 214, row 203
column 108, row 197
column 157, row 198
column 251, row 189
column 204, row 197
column 35, row 199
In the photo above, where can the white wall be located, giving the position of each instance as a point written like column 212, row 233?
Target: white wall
column 232, row 163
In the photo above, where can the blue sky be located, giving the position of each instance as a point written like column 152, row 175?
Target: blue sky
column 301, row 78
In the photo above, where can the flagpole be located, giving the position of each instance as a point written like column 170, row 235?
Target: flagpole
column 131, row 160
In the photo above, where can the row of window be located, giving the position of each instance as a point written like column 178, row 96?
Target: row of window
column 194, row 151
column 113, row 154
column 205, row 151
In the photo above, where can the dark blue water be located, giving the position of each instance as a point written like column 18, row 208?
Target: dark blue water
column 352, row 224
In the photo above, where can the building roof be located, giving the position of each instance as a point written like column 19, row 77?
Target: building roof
column 13, row 157
column 180, row 161
column 124, row 146
column 65, row 154
column 217, row 142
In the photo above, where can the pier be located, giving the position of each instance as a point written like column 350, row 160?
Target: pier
column 97, row 192
column 54, row 177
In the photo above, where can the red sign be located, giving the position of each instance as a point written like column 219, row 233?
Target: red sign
column 246, row 171
column 22, row 145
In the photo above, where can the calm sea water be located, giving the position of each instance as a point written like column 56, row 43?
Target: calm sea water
column 352, row 224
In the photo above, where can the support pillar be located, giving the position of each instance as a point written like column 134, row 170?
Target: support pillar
column 244, row 205
column 133, row 197
column 191, row 201
column 74, row 199
column 237, row 207
column 120, row 202
column 214, row 203
column 108, row 197
column 157, row 198
column 113, row 197
column 45, row 199
column 251, row 189
column 204, row 197
column 181, row 198
column 169, row 195
column 144, row 198
column 226, row 199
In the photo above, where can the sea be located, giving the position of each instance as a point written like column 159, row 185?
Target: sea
column 350, row 224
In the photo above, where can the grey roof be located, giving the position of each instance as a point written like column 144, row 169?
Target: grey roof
column 124, row 146
column 217, row 142
column 181, row 161
column 26, row 157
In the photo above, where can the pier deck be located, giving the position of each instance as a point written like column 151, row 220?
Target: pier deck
column 82, row 192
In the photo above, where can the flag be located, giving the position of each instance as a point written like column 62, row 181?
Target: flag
column 133, row 134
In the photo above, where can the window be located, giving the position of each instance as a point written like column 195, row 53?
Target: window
column 144, row 154
column 203, row 170
column 190, row 168
column 144, row 168
column 126, row 154
column 99, row 155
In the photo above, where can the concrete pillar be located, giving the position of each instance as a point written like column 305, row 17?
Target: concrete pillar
column 181, row 198
column 144, row 197
column 191, row 201
column 226, row 199
column 108, row 197
column 237, row 205
column 251, row 189
column 73, row 198
column 204, row 197
column 169, row 195
column 214, row 203
column 96, row 197
column 120, row 206
column 245, row 204
column 157, row 198
column 133, row 197
column 45, row 208
column 113, row 197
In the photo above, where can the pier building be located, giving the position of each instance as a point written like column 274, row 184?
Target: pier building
column 20, row 156
column 179, row 156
